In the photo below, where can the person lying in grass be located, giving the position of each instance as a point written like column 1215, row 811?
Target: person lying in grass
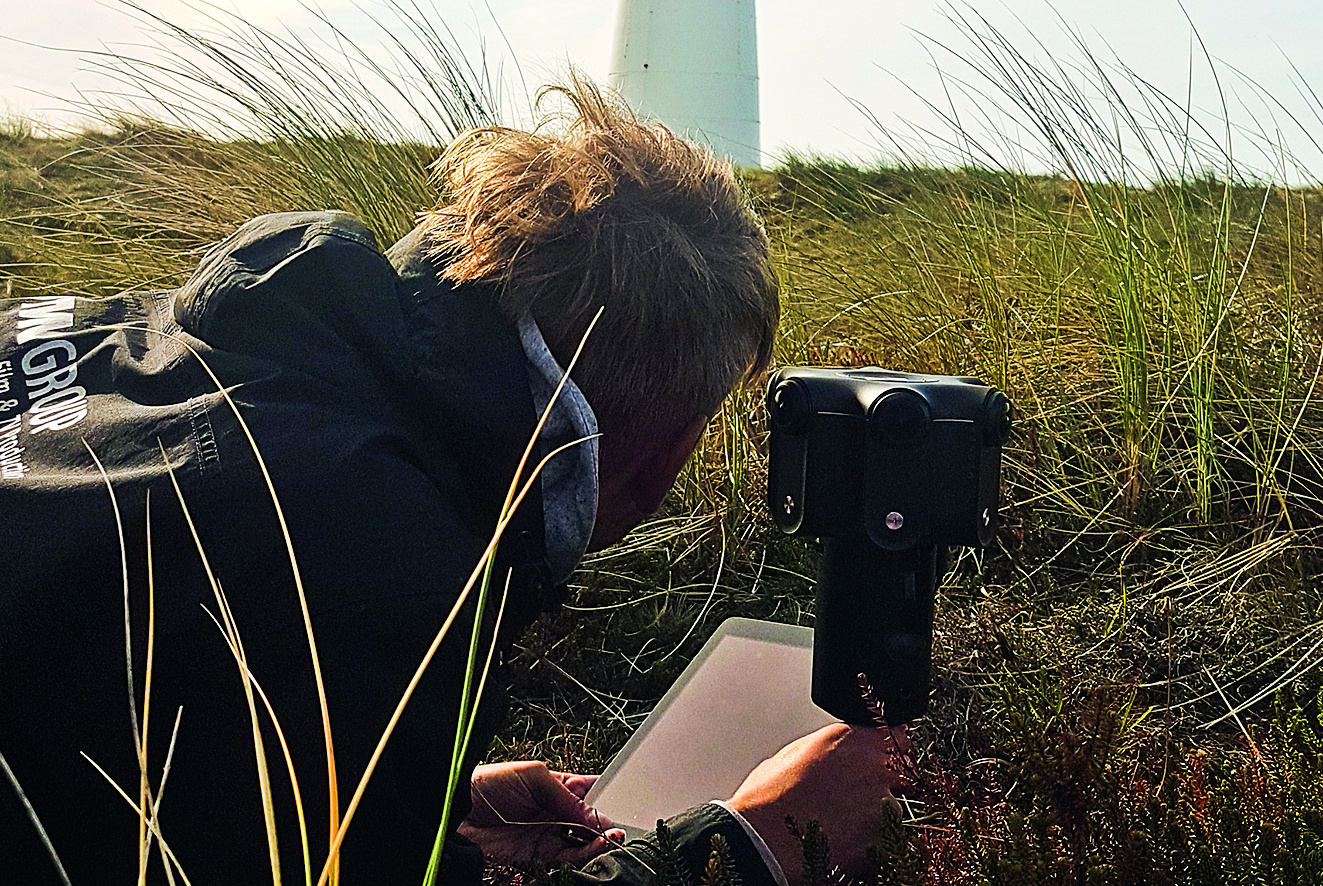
column 389, row 399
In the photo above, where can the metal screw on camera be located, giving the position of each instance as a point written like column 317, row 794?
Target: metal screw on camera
column 987, row 516
column 895, row 521
column 790, row 505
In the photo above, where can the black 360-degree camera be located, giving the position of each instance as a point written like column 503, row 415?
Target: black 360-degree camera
column 888, row 470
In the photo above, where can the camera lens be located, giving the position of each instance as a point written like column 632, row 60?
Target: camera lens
column 790, row 406
column 900, row 418
column 998, row 413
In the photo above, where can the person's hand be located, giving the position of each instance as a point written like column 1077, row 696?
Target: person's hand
column 840, row 775
column 524, row 812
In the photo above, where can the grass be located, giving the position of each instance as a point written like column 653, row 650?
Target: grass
column 1127, row 687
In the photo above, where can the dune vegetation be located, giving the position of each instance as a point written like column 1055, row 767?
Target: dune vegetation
column 1126, row 686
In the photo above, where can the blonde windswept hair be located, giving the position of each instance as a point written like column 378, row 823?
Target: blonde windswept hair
column 610, row 211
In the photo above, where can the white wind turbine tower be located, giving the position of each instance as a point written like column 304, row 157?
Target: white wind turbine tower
column 693, row 65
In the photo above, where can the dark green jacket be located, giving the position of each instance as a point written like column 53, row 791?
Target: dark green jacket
column 390, row 411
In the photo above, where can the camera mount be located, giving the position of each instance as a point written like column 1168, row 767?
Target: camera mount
column 888, row 470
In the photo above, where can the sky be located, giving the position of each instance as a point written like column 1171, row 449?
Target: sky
column 852, row 79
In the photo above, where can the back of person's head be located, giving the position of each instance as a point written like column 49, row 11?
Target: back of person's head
column 607, row 211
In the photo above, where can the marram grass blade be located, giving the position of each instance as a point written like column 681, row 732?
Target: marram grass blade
column 334, row 816
column 36, row 821
column 232, row 635
column 169, row 854
column 468, row 717
column 284, row 747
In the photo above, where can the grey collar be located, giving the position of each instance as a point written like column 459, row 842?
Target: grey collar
column 569, row 481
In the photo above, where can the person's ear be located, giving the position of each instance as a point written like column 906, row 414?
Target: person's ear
column 656, row 475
